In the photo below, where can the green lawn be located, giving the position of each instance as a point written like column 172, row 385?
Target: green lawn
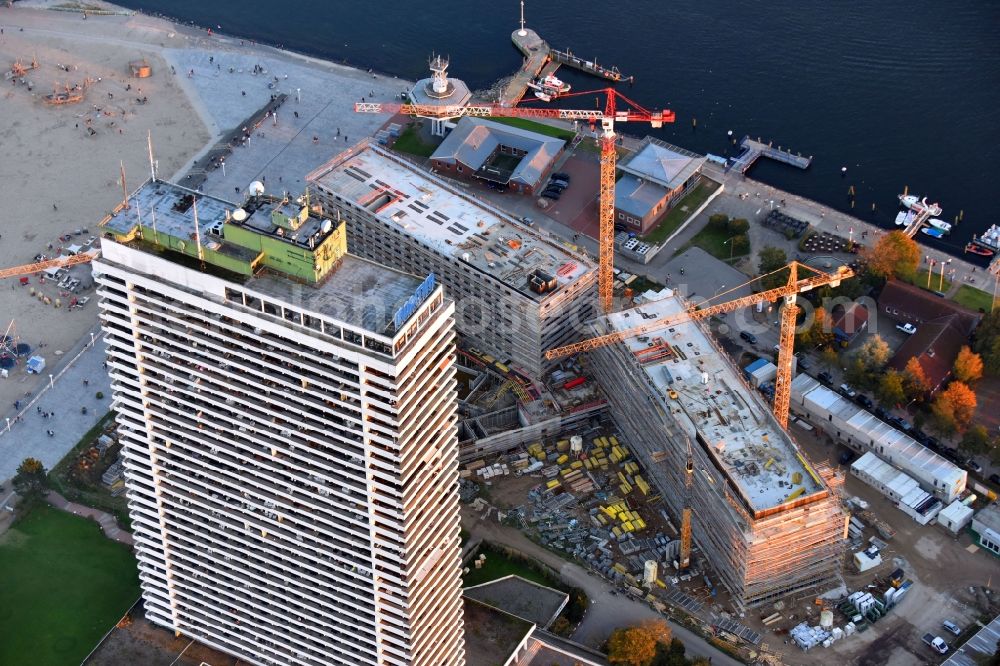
column 714, row 242
column 64, row 585
column 534, row 126
column 973, row 298
column 677, row 215
column 921, row 281
column 410, row 142
column 499, row 565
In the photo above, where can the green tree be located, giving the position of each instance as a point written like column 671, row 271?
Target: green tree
column 894, row 255
column 890, row 388
column 31, row 480
column 968, row 366
column 738, row 226
column 769, row 260
column 864, row 370
column 976, row 440
column 820, row 332
column 829, row 357
column 719, row 221
column 988, row 342
column 915, row 381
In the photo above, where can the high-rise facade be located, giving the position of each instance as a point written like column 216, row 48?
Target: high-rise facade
column 289, row 445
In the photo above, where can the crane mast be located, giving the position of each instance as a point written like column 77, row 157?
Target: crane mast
column 684, row 561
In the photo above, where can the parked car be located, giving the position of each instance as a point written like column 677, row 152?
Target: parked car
column 952, row 627
column 864, row 401
column 749, row 337
column 802, row 363
column 825, row 378
column 950, row 453
column 846, row 457
column 909, row 329
column 551, row 194
column 845, row 389
column 560, row 175
column 528, row 222
column 932, row 443
column 561, row 183
column 881, row 413
column 995, row 478
column 974, row 466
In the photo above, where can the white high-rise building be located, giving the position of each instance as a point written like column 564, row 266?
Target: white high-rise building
column 289, row 445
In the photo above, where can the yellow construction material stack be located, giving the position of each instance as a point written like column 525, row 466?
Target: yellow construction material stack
column 562, row 445
column 641, row 484
column 631, row 467
column 554, row 483
column 561, row 460
column 536, row 451
column 576, row 464
column 625, row 488
column 613, row 440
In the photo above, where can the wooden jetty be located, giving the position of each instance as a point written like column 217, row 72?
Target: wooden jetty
column 753, row 149
column 541, row 60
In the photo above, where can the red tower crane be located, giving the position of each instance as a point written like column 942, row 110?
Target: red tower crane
column 607, row 118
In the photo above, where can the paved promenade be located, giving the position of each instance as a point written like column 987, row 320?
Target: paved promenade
column 64, row 401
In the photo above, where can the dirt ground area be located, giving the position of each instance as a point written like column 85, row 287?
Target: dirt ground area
column 942, row 568
column 144, row 643
column 577, row 208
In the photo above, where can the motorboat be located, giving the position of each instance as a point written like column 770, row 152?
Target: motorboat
column 542, row 95
column 940, row 224
column 908, row 200
column 550, row 82
column 979, row 249
column 904, row 218
column 932, row 232
column 990, row 238
column 919, row 205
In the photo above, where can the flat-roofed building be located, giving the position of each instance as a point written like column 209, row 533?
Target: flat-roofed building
column 766, row 520
column 863, row 431
column 518, row 291
column 654, row 179
column 287, row 413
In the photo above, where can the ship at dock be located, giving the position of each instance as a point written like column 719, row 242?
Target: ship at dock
column 986, row 244
column 549, row 87
column 919, row 205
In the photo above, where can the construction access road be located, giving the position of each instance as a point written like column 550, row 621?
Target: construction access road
column 608, row 610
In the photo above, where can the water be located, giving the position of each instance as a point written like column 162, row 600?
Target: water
column 900, row 92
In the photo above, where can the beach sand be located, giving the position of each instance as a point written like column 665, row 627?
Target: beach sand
column 56, row 176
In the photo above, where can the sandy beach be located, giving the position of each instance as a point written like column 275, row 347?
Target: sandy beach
column 62, row 163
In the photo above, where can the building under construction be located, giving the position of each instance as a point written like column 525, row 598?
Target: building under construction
column 765, row 519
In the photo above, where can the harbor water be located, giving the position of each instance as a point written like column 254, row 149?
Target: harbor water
column 901, row 93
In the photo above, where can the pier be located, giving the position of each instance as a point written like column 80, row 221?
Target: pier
column 754, row 149
column 541, row 60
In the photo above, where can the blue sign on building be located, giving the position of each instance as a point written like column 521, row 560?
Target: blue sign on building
column 414, row 301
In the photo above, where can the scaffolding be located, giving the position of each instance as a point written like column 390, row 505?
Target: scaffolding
column 762, row 546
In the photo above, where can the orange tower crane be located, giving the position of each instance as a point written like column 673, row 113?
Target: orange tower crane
column 607, row 138
column 38, row 267
column 787, row 292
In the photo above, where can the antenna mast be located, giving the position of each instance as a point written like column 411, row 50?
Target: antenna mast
column 124, row 189
column 149, row 143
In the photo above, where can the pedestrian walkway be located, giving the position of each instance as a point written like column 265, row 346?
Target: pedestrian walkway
column 57, row 407
column 107, row 522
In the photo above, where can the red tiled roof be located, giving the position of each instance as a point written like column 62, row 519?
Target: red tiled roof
column 907, row 303
column 849, row 320
column 935, row 345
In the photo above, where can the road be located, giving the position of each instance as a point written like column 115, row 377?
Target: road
column 607, row 611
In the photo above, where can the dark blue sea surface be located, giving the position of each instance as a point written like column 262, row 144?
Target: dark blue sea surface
column 899, row 92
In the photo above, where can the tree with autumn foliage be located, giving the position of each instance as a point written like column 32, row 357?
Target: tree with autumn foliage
column 915, row 381
column 890, row 389
column 31, row 479
column 954, row 408
column 894, row 255
column 638, row 646
column 968, row 366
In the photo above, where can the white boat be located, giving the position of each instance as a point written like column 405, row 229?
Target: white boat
column 940, row 224
column 542, row 95
column 552, row 83
column 908, row 200
column 904, row 218
column 990, row 238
